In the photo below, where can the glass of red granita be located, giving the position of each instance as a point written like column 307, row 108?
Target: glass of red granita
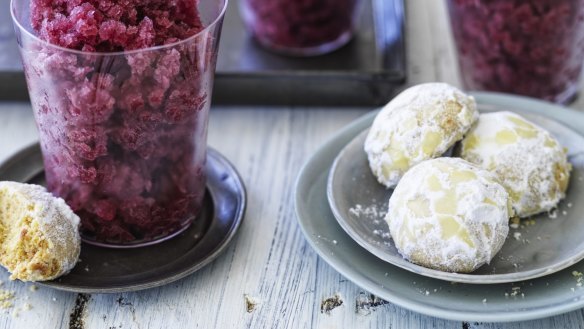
column 121, row 91
column 527, row 47
column 301, row 27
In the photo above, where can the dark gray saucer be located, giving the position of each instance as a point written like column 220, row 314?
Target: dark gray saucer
column 106, row 270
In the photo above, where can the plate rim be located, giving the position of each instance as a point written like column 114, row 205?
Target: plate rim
column 568, row 117
column 432, row 273
column 220, row 247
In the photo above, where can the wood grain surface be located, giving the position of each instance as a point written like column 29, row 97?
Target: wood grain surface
column 269, row 261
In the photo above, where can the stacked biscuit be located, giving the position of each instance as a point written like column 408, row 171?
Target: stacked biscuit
column 452, row 214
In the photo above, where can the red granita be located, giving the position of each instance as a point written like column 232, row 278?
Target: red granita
column 114, row 25
column 527, row 47
column 123, row 134
column 289, row 25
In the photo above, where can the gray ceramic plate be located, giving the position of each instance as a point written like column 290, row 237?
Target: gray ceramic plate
column 107, row 270
column 541, row 248
column 530, row 299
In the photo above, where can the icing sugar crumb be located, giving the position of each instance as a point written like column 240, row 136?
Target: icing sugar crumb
column 579, row 278
column 366, row 303
column 553, row 214
column 371, row 211
column 484, row 301
column 335, row 242
column 515, row 291
column 517, row 236
column 6, row 298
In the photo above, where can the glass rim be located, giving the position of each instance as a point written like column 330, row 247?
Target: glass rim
column 116, row 53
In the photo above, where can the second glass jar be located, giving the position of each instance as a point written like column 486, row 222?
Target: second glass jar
column 533, row 48
column 301, row 27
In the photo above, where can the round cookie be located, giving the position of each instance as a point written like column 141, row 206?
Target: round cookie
column 39, row 234
column 528, row 161
column 448, row 214
column 421, row 123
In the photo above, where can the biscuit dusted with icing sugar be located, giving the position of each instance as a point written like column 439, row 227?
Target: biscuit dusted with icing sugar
column 450, row 215
column 421, row 123
column 39, row 234
column 527, row 159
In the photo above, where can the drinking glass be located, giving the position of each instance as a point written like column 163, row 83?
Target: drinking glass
column 301, row 27
column 123, row 134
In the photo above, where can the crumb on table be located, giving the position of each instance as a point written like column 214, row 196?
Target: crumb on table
column 329, row 304
column 251, row 303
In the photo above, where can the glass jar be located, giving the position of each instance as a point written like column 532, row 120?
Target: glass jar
column 301, row 27
column 527, row 47
column 123, row 134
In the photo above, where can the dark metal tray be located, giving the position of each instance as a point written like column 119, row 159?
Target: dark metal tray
column 367, row 71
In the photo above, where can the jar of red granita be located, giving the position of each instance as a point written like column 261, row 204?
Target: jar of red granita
column 301, row 27
column 121, row 92
column 527, row 47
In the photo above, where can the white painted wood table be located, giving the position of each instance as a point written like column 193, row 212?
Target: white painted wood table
column 269, row 259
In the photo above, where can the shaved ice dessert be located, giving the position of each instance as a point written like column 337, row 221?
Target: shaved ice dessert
column 121, row 91
column 533, row 48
